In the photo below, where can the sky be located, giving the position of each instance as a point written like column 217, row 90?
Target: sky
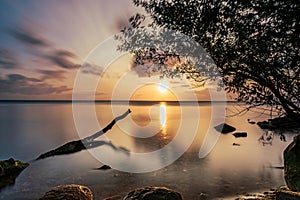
column 64, row 49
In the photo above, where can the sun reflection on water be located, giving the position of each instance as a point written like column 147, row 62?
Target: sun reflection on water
column 163, row 119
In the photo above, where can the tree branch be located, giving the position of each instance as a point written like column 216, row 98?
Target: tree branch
column 86, row 143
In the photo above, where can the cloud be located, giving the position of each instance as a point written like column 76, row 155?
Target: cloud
column 62, row 58
column 185, row 86
column 59, row 57
column 19, row 84
column 146, row 70
column 51, row 74
column 7, row 59
column 88, row 68
column 29, row 38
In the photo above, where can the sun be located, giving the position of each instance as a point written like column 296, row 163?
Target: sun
column 162, row 87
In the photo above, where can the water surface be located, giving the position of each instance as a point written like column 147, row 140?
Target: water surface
column 29, row 129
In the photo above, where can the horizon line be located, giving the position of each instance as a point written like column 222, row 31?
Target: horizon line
column 100, row 101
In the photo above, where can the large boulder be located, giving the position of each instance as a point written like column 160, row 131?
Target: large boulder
column 69, row 192
column 9, row 170
column 153, row 193
column 292, row 164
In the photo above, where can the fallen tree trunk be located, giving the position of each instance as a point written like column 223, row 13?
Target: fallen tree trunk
column 85, row 143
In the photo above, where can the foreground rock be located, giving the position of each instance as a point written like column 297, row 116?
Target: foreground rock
column 292, row 164
column 9, row 170
column 69, row 192
column 286, row 194
column 153, row 193
column 224, row 128
column 281, row 193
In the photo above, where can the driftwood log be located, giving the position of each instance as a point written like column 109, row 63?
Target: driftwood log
column 85, row 143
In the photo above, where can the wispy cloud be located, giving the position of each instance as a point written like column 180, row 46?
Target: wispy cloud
column 7, row 59
column 59, row 57
column 29, row 38
column 19, row 84
column 62, row 58
column 93, row 69
column 52, row 74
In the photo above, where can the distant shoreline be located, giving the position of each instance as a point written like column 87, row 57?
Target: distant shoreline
column 109, row 101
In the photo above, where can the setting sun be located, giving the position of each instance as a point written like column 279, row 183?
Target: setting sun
column 162, row 87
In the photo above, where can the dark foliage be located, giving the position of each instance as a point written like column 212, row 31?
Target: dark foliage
column 254, row 44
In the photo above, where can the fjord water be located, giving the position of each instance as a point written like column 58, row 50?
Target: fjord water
column 29, row 129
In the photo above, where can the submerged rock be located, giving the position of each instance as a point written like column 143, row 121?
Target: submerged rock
column 153, row 193
column 240, row 134
column 9, row 170
column 224, row 128
column 292, row 164
column 104, row 167
column 69, row 192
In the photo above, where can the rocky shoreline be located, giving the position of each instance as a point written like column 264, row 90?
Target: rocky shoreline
column 70, row 192
column 9, row 171
column 281, row 193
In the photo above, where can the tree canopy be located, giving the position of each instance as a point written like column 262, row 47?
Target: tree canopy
column 254, row 44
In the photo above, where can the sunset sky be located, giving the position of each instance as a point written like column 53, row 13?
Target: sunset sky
column 43, row 45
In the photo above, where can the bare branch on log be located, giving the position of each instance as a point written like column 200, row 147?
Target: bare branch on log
column 86, row 143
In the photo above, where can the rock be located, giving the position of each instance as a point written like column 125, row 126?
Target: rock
column 202, row 196
column 68, row 192
column 251, row 122
column 240, row 134
column 153, row 193
column 287, row 195
column 104, row 167
column 281, row 193
column 292, row 164
column 9, row 171
column 282, row 123
column 224, row 128
column 265, row 125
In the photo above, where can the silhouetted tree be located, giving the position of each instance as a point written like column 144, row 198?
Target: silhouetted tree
column 254, row 44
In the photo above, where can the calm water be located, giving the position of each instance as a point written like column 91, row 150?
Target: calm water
column 27, row 130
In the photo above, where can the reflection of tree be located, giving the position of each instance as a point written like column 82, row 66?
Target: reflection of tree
column 255, row 45
column 267, row 137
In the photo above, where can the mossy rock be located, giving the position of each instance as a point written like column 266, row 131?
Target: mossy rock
column 9, row 170
column 292, row 164
column 69, row 192
column 153, row 193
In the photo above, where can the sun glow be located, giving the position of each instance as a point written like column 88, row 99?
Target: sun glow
column 162, row 87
